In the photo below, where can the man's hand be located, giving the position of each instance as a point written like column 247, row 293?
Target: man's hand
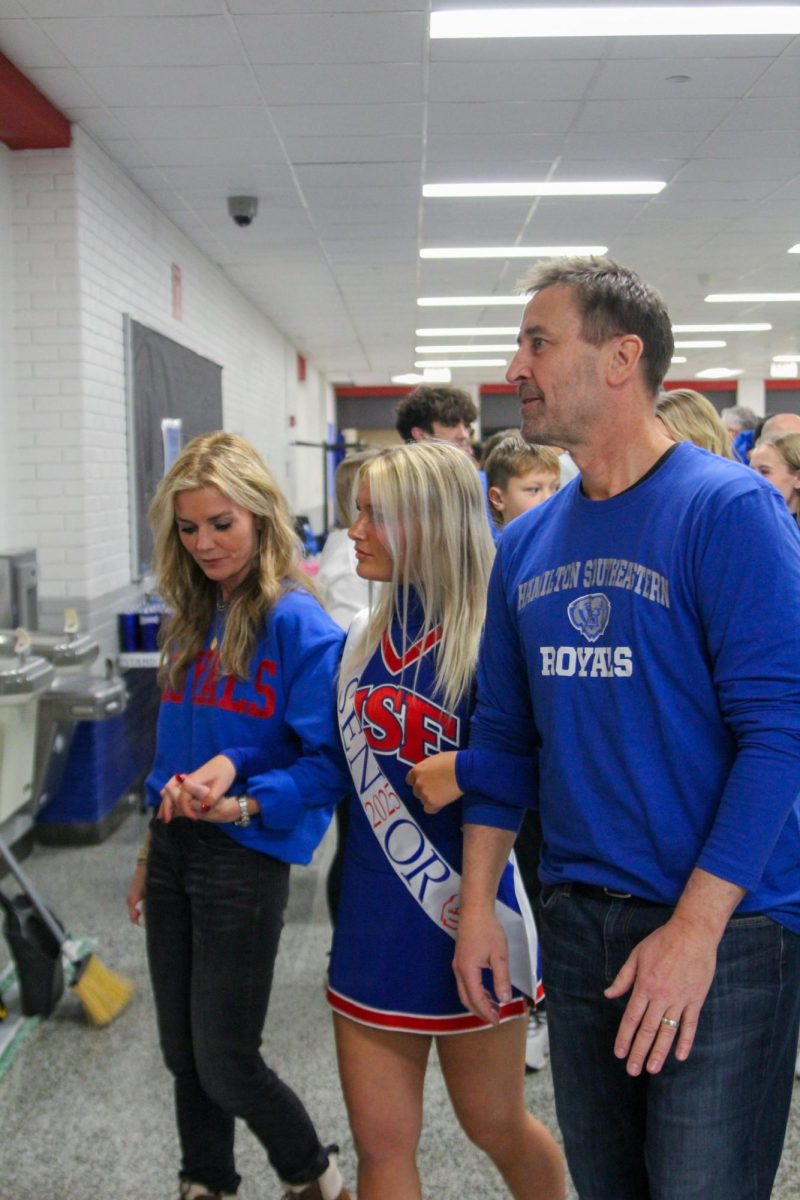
column 671, row 972
column 481, row 943
column 434, row 781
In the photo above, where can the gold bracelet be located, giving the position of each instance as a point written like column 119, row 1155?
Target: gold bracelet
column 144, row 850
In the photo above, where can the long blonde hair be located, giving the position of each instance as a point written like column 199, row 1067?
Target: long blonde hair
column 689, row 417
column 235, row 468
column 788, row 446
column 429, row 499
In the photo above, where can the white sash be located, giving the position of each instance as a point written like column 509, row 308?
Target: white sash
column 416, row 862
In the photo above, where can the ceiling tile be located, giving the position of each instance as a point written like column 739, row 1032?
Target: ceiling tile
column 312, row 7
column 606, row 145
column 350, row 175
column 175, row 87
column 121, row 8
column 321, row 197
column 767, row 143
column 334, row 37
column 726, row 46
column 645, row 115
column 361, row 83
column 781, row 79
column 491, row 117
column 304, row 150
column 551, row 81
column 348, row 120
column 145, row 41
column 63, row 86
column 180, row 123
column 774, row 113
column 641, row 79
column 27, row 46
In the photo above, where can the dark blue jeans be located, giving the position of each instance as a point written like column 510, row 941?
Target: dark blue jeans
column 214, row 913
column 704, row 1129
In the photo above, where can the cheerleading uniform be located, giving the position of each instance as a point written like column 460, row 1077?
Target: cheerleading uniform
column 398, row 915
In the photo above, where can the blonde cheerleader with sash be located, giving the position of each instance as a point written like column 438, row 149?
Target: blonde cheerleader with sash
column 405, row 693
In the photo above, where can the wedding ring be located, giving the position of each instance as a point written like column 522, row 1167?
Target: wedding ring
column 670, row 1022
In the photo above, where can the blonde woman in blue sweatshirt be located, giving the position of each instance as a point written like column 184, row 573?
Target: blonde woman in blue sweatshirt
column 248, row 676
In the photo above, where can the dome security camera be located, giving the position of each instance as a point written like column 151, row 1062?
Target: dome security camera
column 243, row 209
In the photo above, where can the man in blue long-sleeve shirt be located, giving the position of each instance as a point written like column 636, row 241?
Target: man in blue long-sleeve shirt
column 642, row 632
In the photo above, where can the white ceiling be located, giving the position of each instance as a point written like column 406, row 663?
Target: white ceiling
column 335, row 112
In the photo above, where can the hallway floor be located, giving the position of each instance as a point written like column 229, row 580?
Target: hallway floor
column 86, row 1114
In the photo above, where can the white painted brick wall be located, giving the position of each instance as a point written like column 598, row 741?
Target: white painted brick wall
column 89, row 247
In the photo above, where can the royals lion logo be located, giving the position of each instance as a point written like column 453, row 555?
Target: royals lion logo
column 589, row 615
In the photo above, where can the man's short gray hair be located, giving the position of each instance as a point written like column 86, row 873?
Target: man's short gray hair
column 738, row 416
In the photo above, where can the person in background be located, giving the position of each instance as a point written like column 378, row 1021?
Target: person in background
column 343, row 592
column 779, row 423
column 519, row 476
column 777, row 459
column 446, row 413
column 248, row 671
column 740, row 422
column 688, row 416
column 405, row 689
column 643, row 638
column 522, row 476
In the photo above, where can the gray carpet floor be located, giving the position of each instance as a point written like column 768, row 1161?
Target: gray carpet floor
column 86, row 1114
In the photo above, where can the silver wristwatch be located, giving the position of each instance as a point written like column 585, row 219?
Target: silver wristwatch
column 244, row 815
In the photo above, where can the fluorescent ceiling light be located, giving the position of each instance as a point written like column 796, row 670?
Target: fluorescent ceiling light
column 678, row 359
column 718, row 373
column 700, row 345
column 795, row 249
column 753, row 297
column 464, row 362
column 761, row 327
column 471, row 331
column 464, row 349
column 786, row 358
column 693, row 20
column 787, row 370
column 440, row 376
column 626, row 187
column 468, row 301
column 509, row 251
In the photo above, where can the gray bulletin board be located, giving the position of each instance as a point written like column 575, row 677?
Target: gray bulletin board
column 173, row 395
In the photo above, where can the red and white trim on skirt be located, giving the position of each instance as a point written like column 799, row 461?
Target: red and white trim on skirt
column 399, row 1022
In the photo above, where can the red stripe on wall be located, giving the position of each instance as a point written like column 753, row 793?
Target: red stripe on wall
column 28, row 121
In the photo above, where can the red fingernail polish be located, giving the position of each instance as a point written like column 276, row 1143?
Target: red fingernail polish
column 180, row 778
column 205, row 808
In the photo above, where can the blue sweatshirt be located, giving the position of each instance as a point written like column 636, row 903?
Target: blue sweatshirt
column 282, row 719
column 649, row 645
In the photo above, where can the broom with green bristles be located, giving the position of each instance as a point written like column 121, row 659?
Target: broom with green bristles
column 102, row 993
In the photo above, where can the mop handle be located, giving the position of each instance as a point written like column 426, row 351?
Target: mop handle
column 34, row 897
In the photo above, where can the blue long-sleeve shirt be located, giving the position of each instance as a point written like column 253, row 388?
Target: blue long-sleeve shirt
column 649, row 646
column 281, row 721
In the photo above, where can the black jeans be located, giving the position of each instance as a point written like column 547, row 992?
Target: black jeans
column 214, row 913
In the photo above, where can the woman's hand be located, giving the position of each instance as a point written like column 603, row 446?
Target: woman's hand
column 186, row 795
column 135, row 897
column 434, row 781
column 198, row 798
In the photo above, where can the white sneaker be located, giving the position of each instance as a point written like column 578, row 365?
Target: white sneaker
column 537, row 1045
